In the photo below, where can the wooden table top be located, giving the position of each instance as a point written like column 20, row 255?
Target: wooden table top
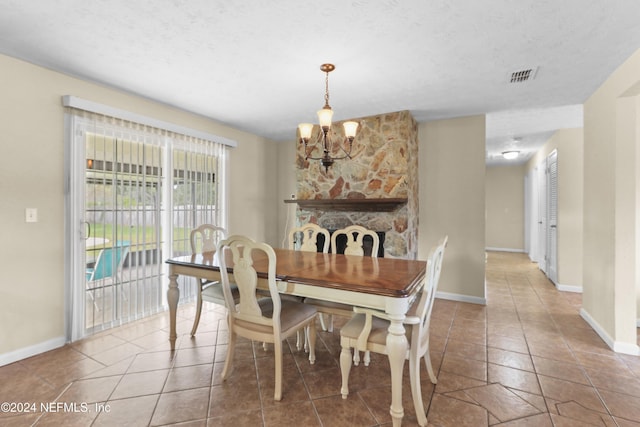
column 391, row 277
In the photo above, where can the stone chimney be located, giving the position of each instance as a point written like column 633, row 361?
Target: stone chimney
column 383, row 167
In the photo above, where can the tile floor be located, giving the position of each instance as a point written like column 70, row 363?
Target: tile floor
column 525, row 359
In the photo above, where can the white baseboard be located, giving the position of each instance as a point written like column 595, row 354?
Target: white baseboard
column 461, row 298
column 504, row 250
column 569, row 288
column 618, row 347
column 32, row 350
column 626, row 348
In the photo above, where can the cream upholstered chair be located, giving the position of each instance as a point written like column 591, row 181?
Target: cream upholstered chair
column 204, row 239
column 305, row 238
column 367, row 331
column 355, row 240
column 266, row 319
column 354, row 246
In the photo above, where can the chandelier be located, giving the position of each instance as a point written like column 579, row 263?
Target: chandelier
column 324, row 138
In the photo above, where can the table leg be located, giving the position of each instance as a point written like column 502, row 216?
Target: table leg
column 397, row 347
column 173, row 294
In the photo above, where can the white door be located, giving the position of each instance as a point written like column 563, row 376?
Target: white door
column 542, row 217
column 527, row 213
column 123, row 216
column 115, row 267
column 532, row 228
column 552, row 217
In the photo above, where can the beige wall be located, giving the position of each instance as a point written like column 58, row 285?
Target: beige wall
column 452, row 201
column 504, row 201
column 569, row 144
column 286, row 187
column 32, row 306
column 253, row 198
column 611, row 206
column 627, row 196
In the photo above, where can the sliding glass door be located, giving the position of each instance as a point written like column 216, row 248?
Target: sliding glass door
column 134, row 194
column 123, row 216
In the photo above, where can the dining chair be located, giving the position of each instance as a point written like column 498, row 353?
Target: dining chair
column 108, row 265
column 262, row 319
column 204, row 238
column 367, row 331
column 354, row 245
column 305, row 238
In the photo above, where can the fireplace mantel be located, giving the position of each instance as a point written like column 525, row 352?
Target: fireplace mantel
column 352, row 205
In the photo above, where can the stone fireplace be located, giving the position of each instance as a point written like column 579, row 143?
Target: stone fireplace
column 377, row 188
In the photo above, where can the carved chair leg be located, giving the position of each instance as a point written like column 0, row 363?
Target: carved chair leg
column 427, row 362
column 416, row 391
column 278, row 362
column 196, row 321
column 345, row 369
column 322, row 325
column 312, row 341
column 228, row 363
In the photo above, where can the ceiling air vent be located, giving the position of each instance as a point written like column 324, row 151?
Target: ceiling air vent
column 523, row 75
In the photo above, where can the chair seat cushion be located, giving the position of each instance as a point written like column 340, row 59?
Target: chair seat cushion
column 265, row 293
column 206, row 283
column 287, row 297
column 292, row 316
column 379, row 328
column 330, row 307
column 214, row 293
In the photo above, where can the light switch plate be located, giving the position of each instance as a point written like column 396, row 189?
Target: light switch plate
column 31, row 215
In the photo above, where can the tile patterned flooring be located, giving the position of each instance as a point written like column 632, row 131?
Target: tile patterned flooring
column 524, row 359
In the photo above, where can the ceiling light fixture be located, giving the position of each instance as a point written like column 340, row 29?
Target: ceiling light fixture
column 325, row 137
column 510, row 155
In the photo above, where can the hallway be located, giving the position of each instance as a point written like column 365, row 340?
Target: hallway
column 525, row 359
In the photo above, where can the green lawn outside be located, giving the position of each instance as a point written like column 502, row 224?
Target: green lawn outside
column 140, row 238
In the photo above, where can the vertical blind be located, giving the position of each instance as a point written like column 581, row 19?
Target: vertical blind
column 144, row 189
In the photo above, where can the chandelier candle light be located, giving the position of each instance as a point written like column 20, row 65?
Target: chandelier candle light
column 324, row 117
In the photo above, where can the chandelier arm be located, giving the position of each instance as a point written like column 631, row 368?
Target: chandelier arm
column 309, row 148
column 347, row 153
column 327, row 146
column 307, row 152
column 309, row 157
column 346, row 156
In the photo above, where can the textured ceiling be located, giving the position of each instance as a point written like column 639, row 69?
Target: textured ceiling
column 253, row 64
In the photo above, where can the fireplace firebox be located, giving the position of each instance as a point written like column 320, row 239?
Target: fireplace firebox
column 341, row 243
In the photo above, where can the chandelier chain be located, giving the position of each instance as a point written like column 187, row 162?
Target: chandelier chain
column 326, row 89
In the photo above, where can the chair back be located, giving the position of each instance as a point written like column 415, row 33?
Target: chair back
column 305, row 238
column 109, row 261
column 427, row 296
column 205, row 238
column 355, row 235
column 242, row 252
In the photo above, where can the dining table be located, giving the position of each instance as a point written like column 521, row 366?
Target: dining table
column 386, row 284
